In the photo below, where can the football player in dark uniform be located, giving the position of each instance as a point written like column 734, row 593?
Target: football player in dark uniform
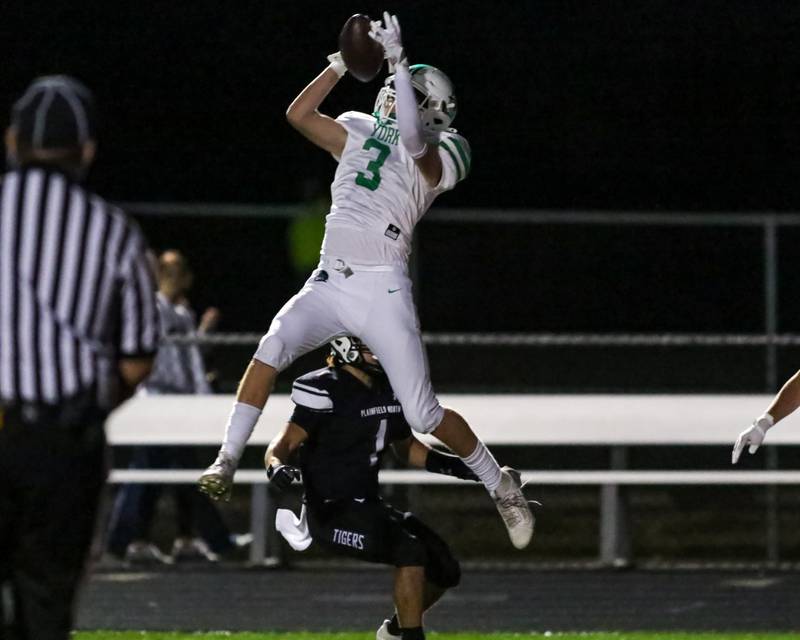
column 345, row 416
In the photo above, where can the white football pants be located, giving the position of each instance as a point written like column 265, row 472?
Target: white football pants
column 373, row 303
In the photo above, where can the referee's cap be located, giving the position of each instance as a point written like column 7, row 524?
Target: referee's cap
column 55, row 112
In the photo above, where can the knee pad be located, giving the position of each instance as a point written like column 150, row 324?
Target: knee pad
column 443, row 570
column 272, row 351
column 410, row 551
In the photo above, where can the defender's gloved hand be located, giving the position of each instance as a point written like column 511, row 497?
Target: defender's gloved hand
column 388, row 36
column 337, row 64
column 752, row 436
column 281, row 476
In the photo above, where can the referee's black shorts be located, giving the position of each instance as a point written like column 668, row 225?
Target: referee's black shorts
column 374, row 531
column 51, row 477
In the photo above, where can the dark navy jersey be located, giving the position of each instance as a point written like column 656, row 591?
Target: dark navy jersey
column 349, row 425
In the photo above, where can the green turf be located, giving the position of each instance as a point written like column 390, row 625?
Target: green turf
column 148, row 635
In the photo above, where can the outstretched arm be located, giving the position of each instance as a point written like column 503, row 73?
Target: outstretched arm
column 425, row 155
column 787, row 400
column 304, row 116
column 784, row 403
column 408, row 122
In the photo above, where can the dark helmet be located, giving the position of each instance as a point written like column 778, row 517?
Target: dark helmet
column 349, row 350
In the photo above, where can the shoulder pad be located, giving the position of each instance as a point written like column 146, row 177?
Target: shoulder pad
column 313, row 390
column 356, row 115
column 457, row 147
column 356, row 120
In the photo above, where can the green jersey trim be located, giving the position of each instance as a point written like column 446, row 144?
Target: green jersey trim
column 459, row 171
column 464, row 155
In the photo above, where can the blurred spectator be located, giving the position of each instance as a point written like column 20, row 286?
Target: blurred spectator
column 178, row 368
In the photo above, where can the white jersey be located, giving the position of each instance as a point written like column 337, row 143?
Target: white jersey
column 379, row 194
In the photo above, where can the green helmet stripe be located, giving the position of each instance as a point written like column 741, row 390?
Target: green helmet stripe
column 455, row 160
column 464, row 156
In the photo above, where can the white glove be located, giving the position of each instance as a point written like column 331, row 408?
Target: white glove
column 337, row 64
column 752, row 436
column 388, row 36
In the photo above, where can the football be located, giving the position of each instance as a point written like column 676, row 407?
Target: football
column 362, row 55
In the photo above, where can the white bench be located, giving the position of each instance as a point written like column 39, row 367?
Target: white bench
column 615, row 421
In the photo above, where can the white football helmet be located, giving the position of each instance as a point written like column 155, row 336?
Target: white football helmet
column 436, row 98
column 350, row 350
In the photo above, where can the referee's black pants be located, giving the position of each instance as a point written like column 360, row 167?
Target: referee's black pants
column 51, row 476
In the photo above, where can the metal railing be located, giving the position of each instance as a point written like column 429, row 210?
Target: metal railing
column 769, row 223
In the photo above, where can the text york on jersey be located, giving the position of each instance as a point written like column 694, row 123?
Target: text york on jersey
column 384, row 133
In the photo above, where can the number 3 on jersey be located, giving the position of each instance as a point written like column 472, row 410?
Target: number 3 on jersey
column 374, row 166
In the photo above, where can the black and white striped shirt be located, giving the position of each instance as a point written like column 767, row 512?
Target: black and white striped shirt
column 76, row 290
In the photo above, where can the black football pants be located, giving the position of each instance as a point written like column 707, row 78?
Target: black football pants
column 377, row 532
column 50, row 483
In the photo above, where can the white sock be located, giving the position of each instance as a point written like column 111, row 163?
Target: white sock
column 238, row 429
column 483, row 464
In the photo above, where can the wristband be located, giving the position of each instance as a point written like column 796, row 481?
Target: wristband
column 765, row 421
column 337, row 64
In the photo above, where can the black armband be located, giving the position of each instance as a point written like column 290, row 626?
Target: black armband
column 448, row 465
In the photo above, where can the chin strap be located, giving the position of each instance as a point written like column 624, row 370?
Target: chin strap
column 408, row 121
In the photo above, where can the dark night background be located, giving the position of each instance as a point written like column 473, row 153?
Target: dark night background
column 642, row 106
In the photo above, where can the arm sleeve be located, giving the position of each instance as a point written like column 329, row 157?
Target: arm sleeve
column 408, row 121
column 139, row 322
column 448, row 465
column 456, row 158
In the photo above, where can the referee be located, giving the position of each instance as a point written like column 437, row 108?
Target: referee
column 78, row 329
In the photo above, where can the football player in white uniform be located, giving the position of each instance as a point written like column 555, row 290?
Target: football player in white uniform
column 392, row 165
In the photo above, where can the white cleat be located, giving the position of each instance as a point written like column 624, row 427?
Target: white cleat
column 217, row 480
column 383, row 632
column 514, row 508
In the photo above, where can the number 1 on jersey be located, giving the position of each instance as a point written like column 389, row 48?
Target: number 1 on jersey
column 374, row 166
column 380, row 442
